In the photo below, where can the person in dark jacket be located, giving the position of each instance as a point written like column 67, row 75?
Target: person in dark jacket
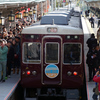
column 17, row 54
column 92, row 22
column 98, row 23
column 91, row 41
column 99, row 56
column 86, row 13
column 1, row 35
column 10, row 57
column 92, row 61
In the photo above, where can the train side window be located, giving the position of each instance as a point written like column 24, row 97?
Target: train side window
column 51, row 53
column 72, row 53
column 31, row 52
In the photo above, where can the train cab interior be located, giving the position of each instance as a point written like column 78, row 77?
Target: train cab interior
column 72, row 53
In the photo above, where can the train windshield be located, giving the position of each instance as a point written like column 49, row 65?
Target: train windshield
column 31, row 52
column 72, row 53
column 51, row 52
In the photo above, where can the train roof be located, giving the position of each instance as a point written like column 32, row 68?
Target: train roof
column 56, row 15
column 59, row 12
column 72, row 21
column 63, row 9
column 59, row 19
column 43, row 29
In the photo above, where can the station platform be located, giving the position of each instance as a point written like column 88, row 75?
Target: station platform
column 87, row 30
column 8, row 87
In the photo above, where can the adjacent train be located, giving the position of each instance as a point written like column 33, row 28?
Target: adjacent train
column 52, row 62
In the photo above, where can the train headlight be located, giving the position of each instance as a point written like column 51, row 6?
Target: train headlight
column 76, row 37
column 69, row 73
column 34, row 72
column 72, row 37
column 75, row 73
column 28, row 72
column 32, row 36
column 68, row 37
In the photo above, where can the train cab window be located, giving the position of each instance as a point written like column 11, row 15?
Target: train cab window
column 51, row 53
column 31, row 52
column 72, row 53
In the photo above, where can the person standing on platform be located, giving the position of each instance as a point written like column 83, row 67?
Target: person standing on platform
column 92, row 22
column 10, row 57
column 5, row 33
column 92, row 61
column 91, row 41
column 98, row 36
column 86, row 13
column 1, row 36
column 95, row 89
column 3, row 60
column 96, row 78
column 17, row 54
column 98, row 23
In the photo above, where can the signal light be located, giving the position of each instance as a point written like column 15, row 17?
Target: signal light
column 75, row 73
column 28, row 72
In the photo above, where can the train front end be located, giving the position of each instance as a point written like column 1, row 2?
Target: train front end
column 53, row 62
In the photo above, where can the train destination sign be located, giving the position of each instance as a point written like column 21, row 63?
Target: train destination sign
column 51, row 71
column 52, row 30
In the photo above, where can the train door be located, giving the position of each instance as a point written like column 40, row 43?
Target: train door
column 52, row 62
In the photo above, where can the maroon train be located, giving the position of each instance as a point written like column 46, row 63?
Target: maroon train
column 53, row 62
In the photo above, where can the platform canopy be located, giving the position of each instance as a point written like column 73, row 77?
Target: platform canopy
column 91, row 0
column 17, row 3
column 39, row 0
column 93, row 3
